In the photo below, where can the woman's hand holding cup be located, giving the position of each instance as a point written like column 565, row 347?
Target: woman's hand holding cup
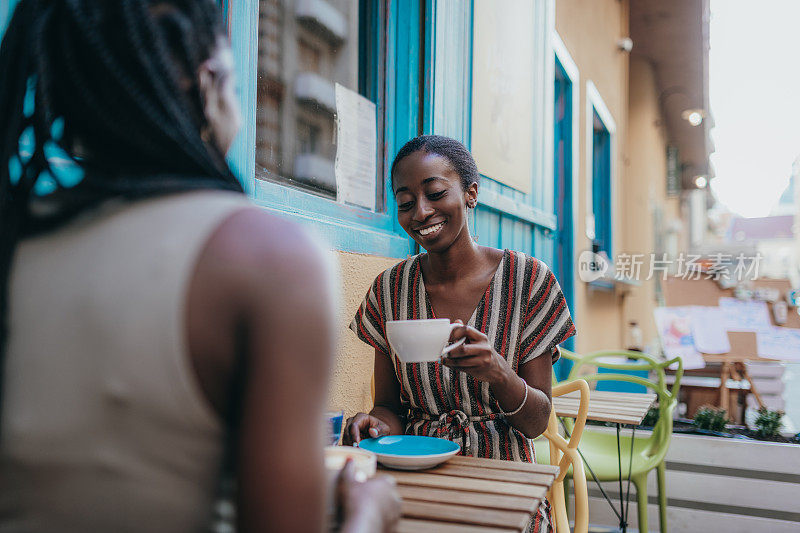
column 363, row 426
column 477, row 357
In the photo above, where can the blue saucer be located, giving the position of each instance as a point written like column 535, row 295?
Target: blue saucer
column 410, row 452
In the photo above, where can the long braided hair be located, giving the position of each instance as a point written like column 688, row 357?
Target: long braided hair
column 113, row 84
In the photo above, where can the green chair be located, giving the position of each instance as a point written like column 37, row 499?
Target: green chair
column 599, row 449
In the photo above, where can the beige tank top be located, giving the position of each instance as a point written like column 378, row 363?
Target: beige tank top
column 104, row 427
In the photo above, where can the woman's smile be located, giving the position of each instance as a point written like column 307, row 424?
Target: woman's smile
column 431, row 230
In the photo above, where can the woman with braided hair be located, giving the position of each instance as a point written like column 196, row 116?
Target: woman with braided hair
column 153, row 325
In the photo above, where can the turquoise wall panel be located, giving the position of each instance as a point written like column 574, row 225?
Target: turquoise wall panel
column 5, row 14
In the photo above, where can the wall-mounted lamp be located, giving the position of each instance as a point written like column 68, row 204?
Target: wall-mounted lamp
column 693, row 116
column 625, row 44
column 701, row 182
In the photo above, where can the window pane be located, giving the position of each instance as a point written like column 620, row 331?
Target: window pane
column 601, row 184
column 305, row 48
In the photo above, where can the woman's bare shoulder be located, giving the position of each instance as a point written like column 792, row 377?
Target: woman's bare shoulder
column 254, row 239
column 256, row 272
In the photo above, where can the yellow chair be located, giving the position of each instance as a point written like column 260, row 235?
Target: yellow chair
column 565, row 454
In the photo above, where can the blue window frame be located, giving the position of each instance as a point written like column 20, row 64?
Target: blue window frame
column 601, row 186
column 562, row 169
column 563, row 260
column 600, row 148
column 390, row 38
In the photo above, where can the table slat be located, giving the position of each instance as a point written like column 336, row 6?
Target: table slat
column 462, row 514
column 607, row 406
column 410, row 525
column 624, row 412
column 572, row 410
column 607, row 396
column 612, row 402
column 499, row 464
column 475, row 499
column 472, row 485
column 494, row 474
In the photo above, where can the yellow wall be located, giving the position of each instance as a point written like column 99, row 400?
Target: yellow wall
column 590, row 30
column 350, row 387
column 644, row 186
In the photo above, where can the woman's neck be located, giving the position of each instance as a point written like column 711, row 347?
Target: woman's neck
column 462, row 257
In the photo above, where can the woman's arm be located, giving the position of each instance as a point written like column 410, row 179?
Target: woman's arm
column 262, row 294
column 384, row 418
column 537, row 373
column 387, row 395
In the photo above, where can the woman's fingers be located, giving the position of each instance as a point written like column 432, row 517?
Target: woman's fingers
column 472, row 361
column 363, row 426
column 378, row 429
column 348, row 472
column 473, row 335
column 355, row 425
column 468, row 350
column 457, row 333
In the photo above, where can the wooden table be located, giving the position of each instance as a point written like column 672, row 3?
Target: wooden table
column 469, row 494
column 607, row 406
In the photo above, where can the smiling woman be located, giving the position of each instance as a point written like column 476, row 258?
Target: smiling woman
column 491, row 395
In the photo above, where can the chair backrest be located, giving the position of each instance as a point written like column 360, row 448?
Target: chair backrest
column 565, row 454
column 667, row 398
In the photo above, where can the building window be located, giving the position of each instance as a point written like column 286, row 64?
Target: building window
column 600, row 130
column 562, row 173
column 305, row 48
column 601, row 185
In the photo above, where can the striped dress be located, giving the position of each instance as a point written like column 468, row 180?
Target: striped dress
column 523, row 313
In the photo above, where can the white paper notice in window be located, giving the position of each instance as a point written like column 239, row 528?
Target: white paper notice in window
column 356, row 149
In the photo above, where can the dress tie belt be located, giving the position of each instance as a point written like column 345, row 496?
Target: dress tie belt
column 454, row 424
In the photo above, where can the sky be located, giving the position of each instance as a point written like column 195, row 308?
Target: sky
column 755, row 100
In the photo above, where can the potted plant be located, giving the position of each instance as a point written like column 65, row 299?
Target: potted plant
column 768, row 424
column 711, row 419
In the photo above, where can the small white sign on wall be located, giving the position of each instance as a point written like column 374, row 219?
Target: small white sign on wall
column 356, row 163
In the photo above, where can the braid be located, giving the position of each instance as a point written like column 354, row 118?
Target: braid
column 128, row 100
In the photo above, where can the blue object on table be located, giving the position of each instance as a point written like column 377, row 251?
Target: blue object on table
column 408, row 445
column 334, row 421
column 410, row 452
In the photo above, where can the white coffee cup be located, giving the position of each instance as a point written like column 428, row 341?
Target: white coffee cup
column 421, row 341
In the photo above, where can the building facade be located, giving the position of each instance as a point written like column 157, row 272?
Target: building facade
column 602, row 157
column 582, row 141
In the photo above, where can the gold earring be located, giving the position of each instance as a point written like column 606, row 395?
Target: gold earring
column 205, row 134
